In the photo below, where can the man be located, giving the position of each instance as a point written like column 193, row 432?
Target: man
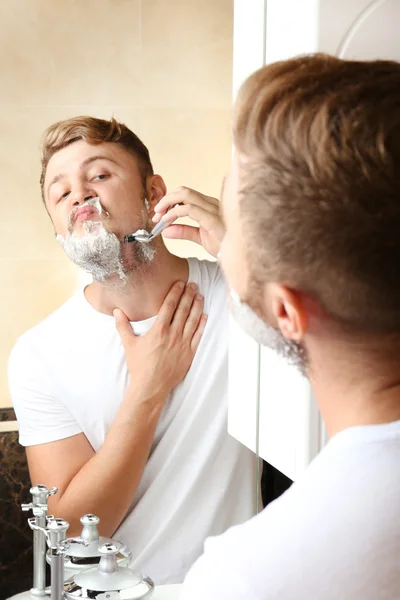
column 129, row 425
column 312, row 249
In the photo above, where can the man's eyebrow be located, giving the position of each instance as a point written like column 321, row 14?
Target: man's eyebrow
column 54, row 180
column 81, row 166
column 96, row 157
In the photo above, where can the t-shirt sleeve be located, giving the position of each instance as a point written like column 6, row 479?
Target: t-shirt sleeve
column 41, row 416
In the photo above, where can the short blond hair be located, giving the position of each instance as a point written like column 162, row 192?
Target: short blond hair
column 93, row 131
column 320, row 200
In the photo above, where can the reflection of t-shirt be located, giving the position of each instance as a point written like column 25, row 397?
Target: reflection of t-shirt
column 334, row 535
column 69, row 375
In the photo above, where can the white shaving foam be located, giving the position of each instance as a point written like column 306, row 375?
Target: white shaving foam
column 266, row 335
column 97, row 251
column 96, row 203
column 141, row 232
column 148, row 251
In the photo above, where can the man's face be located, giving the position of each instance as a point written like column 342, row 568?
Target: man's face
column 94, row 195
column 233, row 249
column 253, row 311
column 81, row 171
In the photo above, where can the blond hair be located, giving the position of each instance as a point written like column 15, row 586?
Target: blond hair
column 321, row 191
column 94, row 131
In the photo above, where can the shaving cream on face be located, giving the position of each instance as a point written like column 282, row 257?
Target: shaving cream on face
column 96, row 203
column 141, row 232
column 145, row 248
column 266, row 335
column 148, row 251
column 99, row 252
column 96, row 250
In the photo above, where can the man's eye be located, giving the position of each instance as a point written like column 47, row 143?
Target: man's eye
column 65, row 195
column 100, row 177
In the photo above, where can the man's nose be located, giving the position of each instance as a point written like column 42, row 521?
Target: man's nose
column 81, row 194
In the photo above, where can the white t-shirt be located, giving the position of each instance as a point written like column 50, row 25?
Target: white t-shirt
column 68, row 375
column 334, row 535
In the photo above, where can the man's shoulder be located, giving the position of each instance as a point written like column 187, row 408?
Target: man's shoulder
column 208, row 275
column 205, row 265
column 212, row 286
column 51, row 327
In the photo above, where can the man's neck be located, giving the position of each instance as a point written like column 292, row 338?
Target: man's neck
column 353, row 387
column 142, row 294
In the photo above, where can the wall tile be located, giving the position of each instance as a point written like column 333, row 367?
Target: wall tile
column 189, row 147
column 69, row 52
column 187, row 54
column 31, row 290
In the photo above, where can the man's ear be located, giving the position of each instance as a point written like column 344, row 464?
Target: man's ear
column 287, row 311
column 156, row 189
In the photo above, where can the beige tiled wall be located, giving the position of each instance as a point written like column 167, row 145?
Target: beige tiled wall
column 162, row 66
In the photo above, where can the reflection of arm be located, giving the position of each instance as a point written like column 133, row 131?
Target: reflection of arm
column 101, row 483
column 60, row 455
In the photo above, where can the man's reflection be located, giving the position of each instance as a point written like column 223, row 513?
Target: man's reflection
column 121, row 393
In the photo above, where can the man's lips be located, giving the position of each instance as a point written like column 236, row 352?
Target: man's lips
column 83, row 214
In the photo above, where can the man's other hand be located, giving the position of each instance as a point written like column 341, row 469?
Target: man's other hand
column 160, row 359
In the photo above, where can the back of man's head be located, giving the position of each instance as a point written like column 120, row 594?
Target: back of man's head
column 320, row 199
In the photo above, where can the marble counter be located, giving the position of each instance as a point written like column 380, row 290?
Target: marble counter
column 15, row 535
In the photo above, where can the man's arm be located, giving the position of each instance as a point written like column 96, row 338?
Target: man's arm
column 101, row 483
column 104, row 483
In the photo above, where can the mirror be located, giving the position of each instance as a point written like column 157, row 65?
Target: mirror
column 164, row 68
